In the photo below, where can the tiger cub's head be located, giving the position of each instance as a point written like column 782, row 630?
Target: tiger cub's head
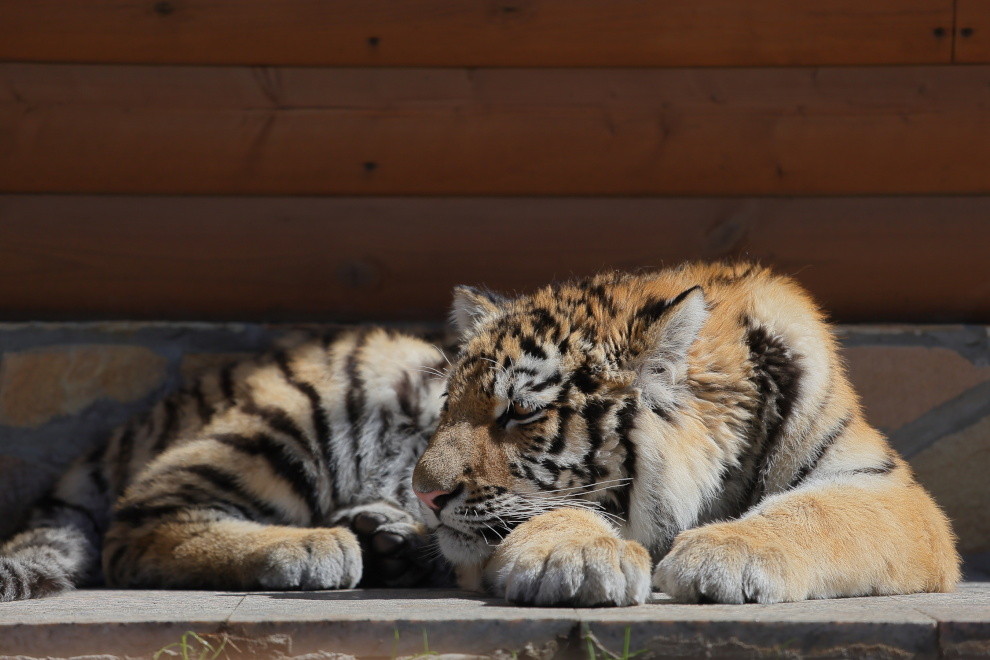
column 541, row 400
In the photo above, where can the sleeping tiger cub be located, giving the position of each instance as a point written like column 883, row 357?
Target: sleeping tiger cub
column 692, row 425
column 288, row 471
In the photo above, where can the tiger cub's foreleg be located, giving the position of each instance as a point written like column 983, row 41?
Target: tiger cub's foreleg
column 207, row 550
column 864, row 535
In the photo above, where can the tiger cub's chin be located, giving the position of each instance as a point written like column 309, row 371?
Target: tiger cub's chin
column 698, row 419
column 463, row 549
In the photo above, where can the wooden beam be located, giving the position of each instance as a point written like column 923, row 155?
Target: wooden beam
column 972, row 41
column 490, row 33
column 911, row 259
column 195, row 130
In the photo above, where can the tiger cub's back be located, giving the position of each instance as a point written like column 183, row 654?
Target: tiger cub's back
column 295, row 438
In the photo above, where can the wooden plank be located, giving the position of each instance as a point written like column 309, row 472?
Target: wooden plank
column 196, row 130
column 912, row 259
column 490, row 33
column 972, row 42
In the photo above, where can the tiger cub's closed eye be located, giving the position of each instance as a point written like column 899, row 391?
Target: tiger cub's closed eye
column 520, row 413
column 521, row 410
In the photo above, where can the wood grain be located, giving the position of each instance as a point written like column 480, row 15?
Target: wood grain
column 196, row 130
column 972, row 42
column 911, row 259
column 485, row 33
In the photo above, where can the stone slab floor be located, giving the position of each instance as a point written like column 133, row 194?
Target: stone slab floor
column 109, row 624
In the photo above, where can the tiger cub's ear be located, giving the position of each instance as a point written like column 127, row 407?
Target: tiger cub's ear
column 472, row 307
column 662, row 348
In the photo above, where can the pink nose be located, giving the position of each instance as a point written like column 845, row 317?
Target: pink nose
column 429, row 499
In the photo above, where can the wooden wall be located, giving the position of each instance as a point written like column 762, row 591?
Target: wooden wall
column 353, row 159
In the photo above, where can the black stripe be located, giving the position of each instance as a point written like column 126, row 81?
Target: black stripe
column 819, row 452
column 22, row 580
column 551, row 467
column 97, row 475
column 204, row 409
column 604, row 298
column 226, row 482
column 199, row 498
column 6, row 581
column 229, row 483
column 653, row 310
column 189, row 497
column 529, row 345
column 135, row 515
column 405, row 393
column 584, row 380
column 776, row 376
column 115, row 558
column 884, row 468
column 558, row 444
column 356, row 401
column 227, row 382
column 627, row 419
column 280, row 421
column 320, row 419
column 663, row 412
column 284, row 463
column 545, row 323
column 52, row 502
column 594, row 413
column 549, row 382
column 321, row 423
column 125, row 451
column 169, row 425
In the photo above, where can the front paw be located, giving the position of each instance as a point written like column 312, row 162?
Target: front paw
column 395, row 548
column 312, row 559
column 718, row 564
column 569, row 558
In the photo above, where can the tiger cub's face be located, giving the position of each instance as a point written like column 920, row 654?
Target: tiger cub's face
column 539, row 406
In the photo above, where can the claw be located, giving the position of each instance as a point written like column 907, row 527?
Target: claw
column 387, row 543
column 367, row 522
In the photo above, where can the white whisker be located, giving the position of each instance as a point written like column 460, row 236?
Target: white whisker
column 443, row 355
column 502, row 368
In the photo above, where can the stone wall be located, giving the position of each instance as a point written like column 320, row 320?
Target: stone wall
column 63, row 386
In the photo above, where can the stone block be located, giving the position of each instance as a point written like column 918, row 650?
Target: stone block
column 194, row 365
column 20, row 482
column 41, row 384
column 898, row 384
column 391, row 624
column 954, row 470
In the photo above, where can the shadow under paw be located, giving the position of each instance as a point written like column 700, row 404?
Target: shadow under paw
column 398, row 554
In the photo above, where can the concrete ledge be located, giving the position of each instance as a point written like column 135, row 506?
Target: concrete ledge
column 389, row 624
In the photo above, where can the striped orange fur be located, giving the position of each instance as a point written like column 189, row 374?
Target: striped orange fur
column 290, row 470
column 690, row 429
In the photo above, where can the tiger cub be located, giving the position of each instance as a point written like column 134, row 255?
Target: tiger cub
column 694, row 425
column 288, row 471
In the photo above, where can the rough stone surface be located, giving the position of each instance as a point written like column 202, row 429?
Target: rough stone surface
column 456, row 624
column 900, row 383
column 196, row 364
column 37, row 385
column 20, row 482
column 954, row 470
